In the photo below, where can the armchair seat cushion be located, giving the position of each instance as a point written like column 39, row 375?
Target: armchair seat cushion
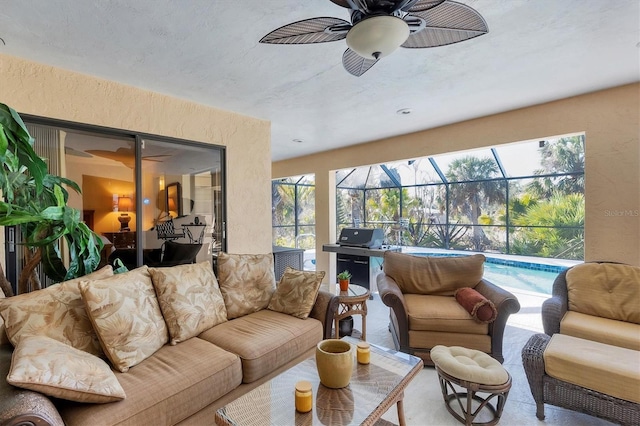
column 603, row 330
column 442, row 314
column 603, row 368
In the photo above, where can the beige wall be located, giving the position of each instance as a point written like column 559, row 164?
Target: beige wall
column 41, row 90
column 610, row 119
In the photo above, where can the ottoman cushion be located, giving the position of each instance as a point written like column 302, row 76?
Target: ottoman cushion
column 469, row 364
column 603, row 368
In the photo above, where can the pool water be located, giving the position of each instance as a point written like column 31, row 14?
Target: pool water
column 534, row 277
column 516, row 274
column 519, row 278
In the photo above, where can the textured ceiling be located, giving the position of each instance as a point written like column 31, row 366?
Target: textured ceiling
column 207, row 51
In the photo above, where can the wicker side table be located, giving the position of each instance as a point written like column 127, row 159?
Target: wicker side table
column 352, row 302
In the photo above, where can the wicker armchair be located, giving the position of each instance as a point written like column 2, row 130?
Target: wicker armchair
column 428, row 314
column 561, row 393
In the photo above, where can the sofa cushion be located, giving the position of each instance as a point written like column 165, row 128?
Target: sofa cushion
column 296, row 292
column 56, row 312
column 603, row 368
column 247, row 282
column 165, row 388
column 441, row 313
column 603, row 330
column 605, row 290
column 269, row 340
column 433, row 275
column 126, row 316
column 56, row 369
column 478, row 306
column 189, row 298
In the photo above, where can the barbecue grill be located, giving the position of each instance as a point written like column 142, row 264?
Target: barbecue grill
column 356, row 245
column 361, row 237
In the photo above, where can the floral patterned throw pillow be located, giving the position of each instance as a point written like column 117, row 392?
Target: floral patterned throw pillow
column 56, row 311
column 126, row 316
column 53, row 368
column 190, row 299
column 247, row 282
column 296, row 292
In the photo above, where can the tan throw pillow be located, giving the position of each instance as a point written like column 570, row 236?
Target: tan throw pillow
column 438, row 276
column 247, row 282
column 53, row 368
column 190, row 299
column 126, row 316
column 296, row 292
column 607, row 290
column 56, row 311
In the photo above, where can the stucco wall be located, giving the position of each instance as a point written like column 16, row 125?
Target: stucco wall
column 37, row 89
column 610, row 119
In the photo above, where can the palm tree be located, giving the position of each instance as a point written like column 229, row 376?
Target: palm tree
column 473, row 189
column 552, row 229
column 566, row 155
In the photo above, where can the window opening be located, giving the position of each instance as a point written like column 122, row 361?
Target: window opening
column 523, row 198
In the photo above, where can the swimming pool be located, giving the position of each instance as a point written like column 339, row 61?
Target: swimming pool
column 516, row 277
column 510, row 271
column 517, row 272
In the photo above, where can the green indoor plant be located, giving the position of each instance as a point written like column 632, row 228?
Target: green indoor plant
column 343, row 279
column 36, row 201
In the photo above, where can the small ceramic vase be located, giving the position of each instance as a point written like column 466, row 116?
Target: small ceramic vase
column 334, row 360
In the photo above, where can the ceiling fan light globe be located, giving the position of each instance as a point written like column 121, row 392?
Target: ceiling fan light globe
column 378, row 36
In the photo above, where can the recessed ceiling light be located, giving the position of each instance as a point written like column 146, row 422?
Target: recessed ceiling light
column 404, row 111
column 297, row 140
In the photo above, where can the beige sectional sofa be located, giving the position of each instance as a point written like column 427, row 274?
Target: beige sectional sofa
column 588, row 360
column 176, row 370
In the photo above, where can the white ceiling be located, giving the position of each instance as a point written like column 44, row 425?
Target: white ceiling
column 207, row 51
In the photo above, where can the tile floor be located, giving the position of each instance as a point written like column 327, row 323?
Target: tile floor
column 423, row 403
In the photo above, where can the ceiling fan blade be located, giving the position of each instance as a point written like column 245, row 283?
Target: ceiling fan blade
column 72, row 151
column 422, row 5
column 448, row 23
column 313, row 30
column 343, row 3
column 356, row 64
column 153, row 157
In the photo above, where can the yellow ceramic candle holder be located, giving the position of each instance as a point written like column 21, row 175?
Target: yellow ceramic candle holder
column 334, row 360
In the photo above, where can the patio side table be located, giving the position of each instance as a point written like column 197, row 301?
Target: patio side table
column 352, row 302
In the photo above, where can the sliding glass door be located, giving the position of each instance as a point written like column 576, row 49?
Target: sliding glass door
column 153, row 200
column 181, row 203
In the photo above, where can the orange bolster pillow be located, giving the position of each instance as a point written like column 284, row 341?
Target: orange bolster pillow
column 479, row 307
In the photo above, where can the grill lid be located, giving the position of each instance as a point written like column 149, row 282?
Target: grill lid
column 361, row 237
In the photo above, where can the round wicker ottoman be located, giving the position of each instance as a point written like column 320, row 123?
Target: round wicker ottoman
column 474, row 371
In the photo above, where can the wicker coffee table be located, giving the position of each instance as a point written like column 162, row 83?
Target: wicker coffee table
column 374, row 388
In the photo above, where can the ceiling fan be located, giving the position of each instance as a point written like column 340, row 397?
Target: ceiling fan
column 126, row 156
column 378, row 27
